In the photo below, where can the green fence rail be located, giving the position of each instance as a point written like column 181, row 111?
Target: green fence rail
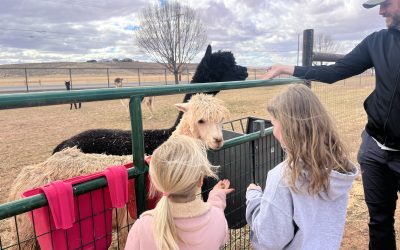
column 12, row 101
column 23, row 100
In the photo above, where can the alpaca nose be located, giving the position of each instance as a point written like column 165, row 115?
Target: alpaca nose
column 218, row 139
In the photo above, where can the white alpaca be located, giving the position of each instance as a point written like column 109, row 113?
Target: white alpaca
column 202, row 119
column 148, row 101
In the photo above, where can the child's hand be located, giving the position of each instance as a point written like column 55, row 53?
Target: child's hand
column 254, row 186
column 224, row 185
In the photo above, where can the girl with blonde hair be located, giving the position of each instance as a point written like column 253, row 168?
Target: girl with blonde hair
column 304, row 202
column 181, row 219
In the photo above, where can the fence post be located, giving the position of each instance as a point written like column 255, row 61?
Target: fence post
column 70, row 77
column 165, row 76
column 308, row 38
column 138, row 73
column 255, row 74
column 108, row 78
column 135, row 110
column 26, row 81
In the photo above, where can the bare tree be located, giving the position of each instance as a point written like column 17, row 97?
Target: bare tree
column 324, row 43
column 171, row 34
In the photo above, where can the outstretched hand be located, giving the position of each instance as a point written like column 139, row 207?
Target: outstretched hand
column 224, row 185
column 276, row 70
column 254, row 186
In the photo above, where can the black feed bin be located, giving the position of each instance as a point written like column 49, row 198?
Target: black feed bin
column 243, row 164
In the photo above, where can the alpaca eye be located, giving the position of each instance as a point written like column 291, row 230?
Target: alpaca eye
column 201, row 121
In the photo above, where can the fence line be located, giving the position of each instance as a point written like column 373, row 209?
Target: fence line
column 14, row 79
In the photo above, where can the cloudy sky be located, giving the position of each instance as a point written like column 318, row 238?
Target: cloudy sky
column 258, row 32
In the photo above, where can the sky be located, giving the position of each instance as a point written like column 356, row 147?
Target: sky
column 258, row 32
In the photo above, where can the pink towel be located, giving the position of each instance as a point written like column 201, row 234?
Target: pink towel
column 85, row 221
column 61, row 202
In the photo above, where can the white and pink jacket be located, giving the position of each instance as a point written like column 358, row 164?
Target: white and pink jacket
column 200, row 225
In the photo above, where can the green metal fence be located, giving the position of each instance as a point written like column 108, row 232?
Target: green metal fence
column 11, row 101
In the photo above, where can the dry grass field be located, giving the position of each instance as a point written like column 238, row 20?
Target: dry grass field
column 28, row 135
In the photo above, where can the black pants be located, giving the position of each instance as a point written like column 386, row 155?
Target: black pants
column 381, row 181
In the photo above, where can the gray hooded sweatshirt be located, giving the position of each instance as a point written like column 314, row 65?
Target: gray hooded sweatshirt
column 282, row 219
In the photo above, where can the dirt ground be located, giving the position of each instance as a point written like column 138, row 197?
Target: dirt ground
column 28, row 135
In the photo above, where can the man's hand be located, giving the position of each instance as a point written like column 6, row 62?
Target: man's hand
column 276, row 70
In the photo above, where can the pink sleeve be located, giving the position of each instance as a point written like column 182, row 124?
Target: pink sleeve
column 217, row 198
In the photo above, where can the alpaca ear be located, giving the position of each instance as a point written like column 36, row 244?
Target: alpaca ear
column 208, row 51
column 182, row 107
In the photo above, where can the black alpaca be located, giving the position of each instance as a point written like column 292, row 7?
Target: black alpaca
column 68, row 87
column 214, row 67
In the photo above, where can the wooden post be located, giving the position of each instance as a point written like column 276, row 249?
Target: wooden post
column 108, row 78
column 70, row 77
column 26, row 80
column 308, row 40
column 138, row 73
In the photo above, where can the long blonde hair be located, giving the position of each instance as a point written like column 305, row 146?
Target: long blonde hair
column 175, row 169
column 311, row 141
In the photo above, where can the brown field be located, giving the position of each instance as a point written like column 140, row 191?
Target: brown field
column 28, row 135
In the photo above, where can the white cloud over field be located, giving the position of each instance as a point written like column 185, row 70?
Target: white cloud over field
column 258, row 32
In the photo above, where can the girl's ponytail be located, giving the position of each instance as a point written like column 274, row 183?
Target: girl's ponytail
column 164, row 227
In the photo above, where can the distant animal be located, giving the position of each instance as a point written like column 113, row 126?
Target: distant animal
column 214, row 67
column 68, row 87
column 118, row 82
column 148, row 101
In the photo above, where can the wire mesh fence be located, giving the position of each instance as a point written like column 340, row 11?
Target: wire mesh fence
column 43, row 79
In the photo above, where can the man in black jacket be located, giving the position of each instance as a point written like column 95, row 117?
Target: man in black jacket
column 379, row 154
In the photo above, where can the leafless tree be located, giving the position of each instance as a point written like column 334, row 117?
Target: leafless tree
column 171, row 34
column 324, row 43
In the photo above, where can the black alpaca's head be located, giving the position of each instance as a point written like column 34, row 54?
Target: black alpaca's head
column 68, row 85
column 219, row 67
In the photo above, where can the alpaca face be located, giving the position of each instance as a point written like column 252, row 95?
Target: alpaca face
column 219, row 66
column 68, row 85
column 210, row 132
column 202, row 119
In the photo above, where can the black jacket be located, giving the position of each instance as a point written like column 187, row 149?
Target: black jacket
column 380, row 50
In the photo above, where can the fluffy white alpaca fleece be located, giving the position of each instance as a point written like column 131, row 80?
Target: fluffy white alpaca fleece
column 209, row 110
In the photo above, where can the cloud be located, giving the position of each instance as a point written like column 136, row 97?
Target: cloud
column 259, row 33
